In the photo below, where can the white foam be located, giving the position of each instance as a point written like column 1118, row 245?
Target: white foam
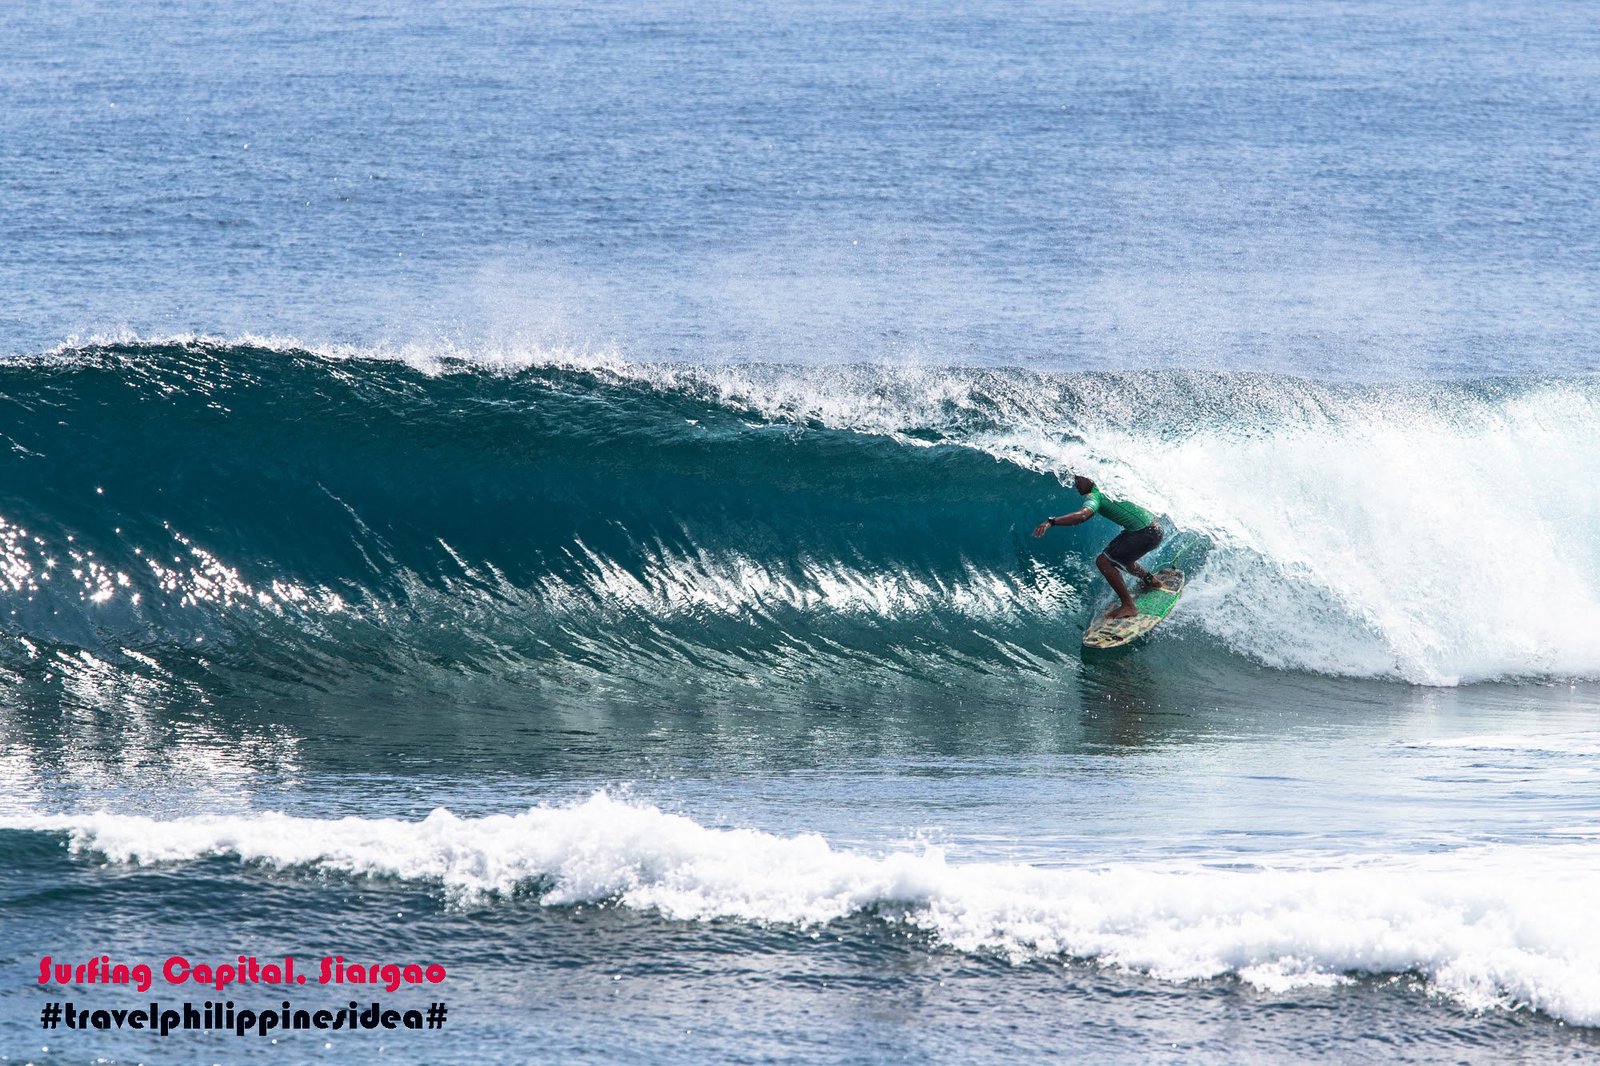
column 1437, row 543
column 1506, row 926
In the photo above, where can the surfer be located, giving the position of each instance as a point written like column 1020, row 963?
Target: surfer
column 1140, row 535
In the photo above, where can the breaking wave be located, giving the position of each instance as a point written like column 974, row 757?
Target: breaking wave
column 262, row 507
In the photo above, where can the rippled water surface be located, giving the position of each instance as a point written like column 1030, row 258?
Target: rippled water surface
column 548, row 491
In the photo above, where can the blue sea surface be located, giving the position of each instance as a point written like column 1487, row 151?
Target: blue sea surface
column 547, row 490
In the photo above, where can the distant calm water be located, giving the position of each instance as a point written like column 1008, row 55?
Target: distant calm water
column 546, row 490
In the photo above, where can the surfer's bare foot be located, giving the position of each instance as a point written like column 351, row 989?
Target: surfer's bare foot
column 1126, row 610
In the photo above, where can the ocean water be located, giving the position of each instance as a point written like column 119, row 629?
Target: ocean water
column 547, row 490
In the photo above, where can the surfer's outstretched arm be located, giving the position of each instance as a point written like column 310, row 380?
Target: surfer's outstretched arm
column 1063, row 520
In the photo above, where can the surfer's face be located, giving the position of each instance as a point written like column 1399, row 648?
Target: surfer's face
column 1083, row 485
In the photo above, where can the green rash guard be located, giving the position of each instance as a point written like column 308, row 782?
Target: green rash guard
column 1125, row 514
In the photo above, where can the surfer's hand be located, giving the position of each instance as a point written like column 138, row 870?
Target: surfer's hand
column 1039, row 529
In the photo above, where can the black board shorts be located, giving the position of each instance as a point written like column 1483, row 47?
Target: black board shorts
column 1126, row 547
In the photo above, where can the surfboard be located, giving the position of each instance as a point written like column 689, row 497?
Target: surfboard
column 1154, row 604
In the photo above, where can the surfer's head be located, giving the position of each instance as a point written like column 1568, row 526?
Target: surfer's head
column 1082, row 484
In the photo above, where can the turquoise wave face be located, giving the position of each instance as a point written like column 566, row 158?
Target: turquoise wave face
column 256, row 508
column 197, row 507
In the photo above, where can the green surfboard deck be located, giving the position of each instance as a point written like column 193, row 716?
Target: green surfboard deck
column 1154, row 605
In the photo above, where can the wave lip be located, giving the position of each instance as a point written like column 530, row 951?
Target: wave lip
column 1491, row 926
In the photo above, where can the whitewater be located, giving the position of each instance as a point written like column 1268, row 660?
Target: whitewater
column 1489, row 926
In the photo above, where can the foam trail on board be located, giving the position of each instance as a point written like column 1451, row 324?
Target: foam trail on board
column 1487, row 926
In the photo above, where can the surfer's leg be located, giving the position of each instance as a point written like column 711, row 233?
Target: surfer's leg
column 1128, row 546
column 1113, row 576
